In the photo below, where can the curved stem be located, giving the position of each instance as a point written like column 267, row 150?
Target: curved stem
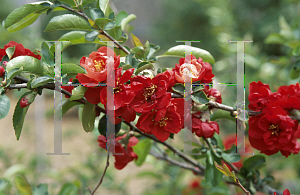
column 101, row 179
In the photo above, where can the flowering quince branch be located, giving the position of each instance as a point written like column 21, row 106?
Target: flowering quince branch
column 157, row 99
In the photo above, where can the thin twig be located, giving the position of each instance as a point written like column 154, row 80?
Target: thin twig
column 74, row 11
column 175, row 162
column 101, row 179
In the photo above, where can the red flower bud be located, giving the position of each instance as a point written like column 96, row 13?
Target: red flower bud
column 4, row 63
column 2, row 71
column 24, row 102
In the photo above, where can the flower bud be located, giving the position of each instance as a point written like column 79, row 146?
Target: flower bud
column 27, row 100
column 4, row 63
column 2, row 71
column 24, row 102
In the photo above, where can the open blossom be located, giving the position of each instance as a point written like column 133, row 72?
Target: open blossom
column 196, row 69
column 290, row 97
column 164, row 121
column 19, row 51
column 123, row 96
column 128, row 155
column 273, row 131
column 96, row 65
column 152, row 95
column 260, row 96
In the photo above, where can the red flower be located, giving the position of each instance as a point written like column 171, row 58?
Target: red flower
column 285, row 192
column 204, row 129
column 213, row 94
column 171, row 78
column 272, row 131
column 163, row 121
column 153, row 94
column 2, row 71
column 196, row 69
column 290, row 97
column 19, row 51
column 260, row 96
column 96, row 65
column 128, row 155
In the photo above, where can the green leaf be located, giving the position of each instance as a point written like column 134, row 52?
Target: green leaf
column 10, row 51
column 24, row 22
column 69, row 68
column 196, row 88
column 142, row 149
column 102, row 126
column 101, row 22
column 67, row 22
column 70, row 2
column 179, row 88
column 153, row 49
column 67, row 105
column 4, row 105
column 136, row 41
column 131, row 60
column 231, row 157
column 111, row 16
column 126, row 67
column 41, row 189
column 88, row 117
column 147, row 66
column 126, row 20
column 19, row 116
column 212, row 175
column 91, row 36
column 47, row 55
column 24, row 12
column 120, row 17
column 85, row 2
column 78, row 93
column 179, row 50
column 14, row 72
column 221, row 114
column 29, row 64
column 40, row 81
column 22, row 185
column 96, row 13
column 110, row 25
column 200, row 97
column 103, row 5
column 68, row 189
column 254, row 162
column 275, row 38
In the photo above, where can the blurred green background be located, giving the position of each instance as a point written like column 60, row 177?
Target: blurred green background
column 163, row 23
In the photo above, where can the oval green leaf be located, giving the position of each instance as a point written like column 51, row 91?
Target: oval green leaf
column 29, row 64
column 142, row 149
column 4, row 105
column 69, row 68
column 67, row 22
column 40, row 81
column 22, row 185
column 78, row 93
column 88, row 117
column 179, row 50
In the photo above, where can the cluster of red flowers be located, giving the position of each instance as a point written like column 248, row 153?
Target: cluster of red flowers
column 273, row 130
column 161, row 114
